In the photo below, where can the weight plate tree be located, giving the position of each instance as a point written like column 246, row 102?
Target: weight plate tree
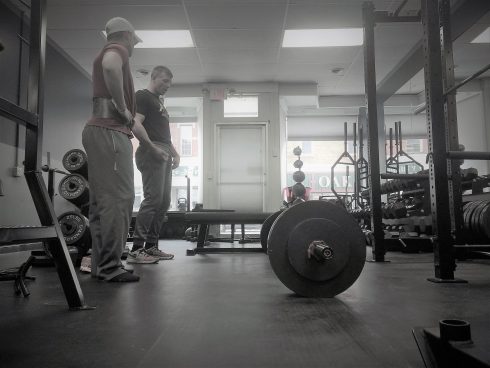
column 316, row 249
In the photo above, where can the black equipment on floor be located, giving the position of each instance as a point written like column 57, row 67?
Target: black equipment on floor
column 453, row 344
column 18, row 275
column 205, row 218
column 316, row 249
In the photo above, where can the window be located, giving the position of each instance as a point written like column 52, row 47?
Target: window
column 306, row 147
column 243, row 106
column 186, row 140
column 414, row 145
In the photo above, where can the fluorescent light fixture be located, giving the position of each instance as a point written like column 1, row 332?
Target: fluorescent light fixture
column 323, row 37
column 483, row 37
column 163, row 39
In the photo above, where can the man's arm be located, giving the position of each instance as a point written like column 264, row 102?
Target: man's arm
column 113, row 77
column 175, row 157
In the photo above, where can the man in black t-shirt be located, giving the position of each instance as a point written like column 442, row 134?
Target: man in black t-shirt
column 156, row 173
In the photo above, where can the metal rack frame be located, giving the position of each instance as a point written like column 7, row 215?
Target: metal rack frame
column 444, row 177
column 32, row 119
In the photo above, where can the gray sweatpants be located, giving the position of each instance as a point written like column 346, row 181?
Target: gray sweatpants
column 111, row 178
column 157, row 185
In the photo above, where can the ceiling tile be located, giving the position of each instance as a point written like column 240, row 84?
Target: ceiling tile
column 323, row 16
column 237, row 39
column 316, row 55
column 250, row 16
column 238, row 56
column 95, row 16
column 165, row 56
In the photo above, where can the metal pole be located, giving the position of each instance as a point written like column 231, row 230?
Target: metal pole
column 444, row 263
column 188, row 182
column 373, row 139
column 356, row 178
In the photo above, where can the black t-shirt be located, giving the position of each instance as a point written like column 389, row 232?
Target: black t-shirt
column 156, row 117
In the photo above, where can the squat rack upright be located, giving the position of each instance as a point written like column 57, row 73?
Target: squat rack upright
column 32, row 119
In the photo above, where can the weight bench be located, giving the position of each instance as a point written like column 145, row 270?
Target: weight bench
column 204, row 219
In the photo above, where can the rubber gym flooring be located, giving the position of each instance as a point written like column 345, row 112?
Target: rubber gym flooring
column 230, row 310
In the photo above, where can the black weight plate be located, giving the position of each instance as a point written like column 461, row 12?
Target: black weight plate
column 468, row 208
column 303, row 235
column 74, row 188
column 266, row 228
column 471, row 211
column 485, row 221
column 479, row 220
column 75, row 161
column 76, row 231
column 475, row 220
column 279, row 248
column 73, row 226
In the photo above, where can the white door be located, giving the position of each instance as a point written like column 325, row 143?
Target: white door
column 241, row 166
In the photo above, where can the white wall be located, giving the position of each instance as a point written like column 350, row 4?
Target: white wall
column 332, row 127
column 472, row 130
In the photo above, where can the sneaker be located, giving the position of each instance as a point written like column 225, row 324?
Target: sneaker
column 125, row 277
column 157, row 253
column 86, row 265
column 141, row 256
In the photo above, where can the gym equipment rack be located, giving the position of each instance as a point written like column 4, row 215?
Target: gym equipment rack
column 32, row 119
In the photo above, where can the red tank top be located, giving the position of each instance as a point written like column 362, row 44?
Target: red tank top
column 100, row 89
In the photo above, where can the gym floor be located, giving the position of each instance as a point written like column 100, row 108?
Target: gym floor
column 230, row 310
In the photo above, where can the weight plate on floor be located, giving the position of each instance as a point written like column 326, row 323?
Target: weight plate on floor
column 74, row 188
column 266, row 228
column 292, row 234
column 303, row 235
column 75, row 161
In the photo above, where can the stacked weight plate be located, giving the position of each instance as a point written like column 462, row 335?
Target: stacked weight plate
column 75, row 188
column 476, row 220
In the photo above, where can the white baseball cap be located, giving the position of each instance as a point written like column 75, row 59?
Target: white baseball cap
column 119, row 24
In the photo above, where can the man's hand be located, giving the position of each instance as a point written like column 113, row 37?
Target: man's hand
column 158, row 153
column 125, row 115
column 175, row 162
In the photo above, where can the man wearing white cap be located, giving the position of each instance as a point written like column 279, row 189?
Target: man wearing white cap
column 106, row 139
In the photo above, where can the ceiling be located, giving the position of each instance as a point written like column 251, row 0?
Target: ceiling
column 239, row 40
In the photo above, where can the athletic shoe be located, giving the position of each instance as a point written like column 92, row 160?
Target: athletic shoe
column 157, row 253
column 141, row 256
column 125, row 277
column 86, row 265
